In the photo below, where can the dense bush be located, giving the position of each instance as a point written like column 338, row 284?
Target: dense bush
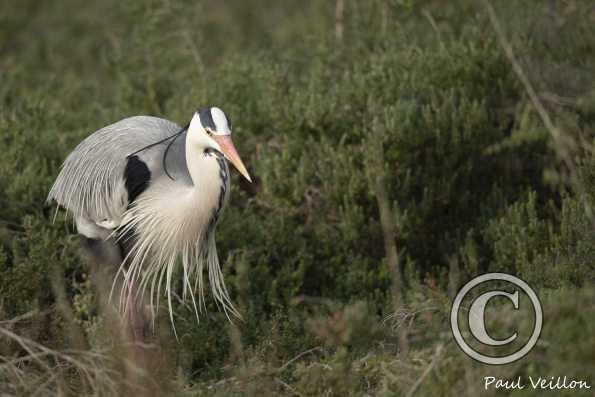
column 475, row 181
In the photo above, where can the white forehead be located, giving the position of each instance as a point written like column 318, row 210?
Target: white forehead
column 222, row 125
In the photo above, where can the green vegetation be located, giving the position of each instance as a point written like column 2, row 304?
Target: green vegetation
column 413, row 110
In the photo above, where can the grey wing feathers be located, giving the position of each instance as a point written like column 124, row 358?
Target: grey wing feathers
column 91, row 183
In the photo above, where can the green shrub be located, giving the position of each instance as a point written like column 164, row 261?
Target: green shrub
column 475, row 181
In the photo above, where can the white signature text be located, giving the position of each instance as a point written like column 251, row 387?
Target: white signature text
column 538, row 382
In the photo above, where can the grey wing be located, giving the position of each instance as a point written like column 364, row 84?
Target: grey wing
column 99, row 179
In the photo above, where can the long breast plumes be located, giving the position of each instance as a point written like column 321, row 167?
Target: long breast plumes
column 174, row 221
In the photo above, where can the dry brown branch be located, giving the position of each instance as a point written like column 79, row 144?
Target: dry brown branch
column 43, row 368
column 75, row 333
column 339, row 15
column 563, row 144
column 429, row 368
column 376, row 172
column 317, row 348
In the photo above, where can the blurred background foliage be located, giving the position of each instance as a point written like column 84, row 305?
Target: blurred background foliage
column 416, row 94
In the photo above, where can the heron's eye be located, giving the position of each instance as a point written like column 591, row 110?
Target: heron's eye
column 209, row 132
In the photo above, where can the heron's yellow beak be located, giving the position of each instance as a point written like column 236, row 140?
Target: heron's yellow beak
column 230, row 152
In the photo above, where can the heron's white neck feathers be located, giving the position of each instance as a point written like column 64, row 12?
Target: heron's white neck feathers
column 173, row 218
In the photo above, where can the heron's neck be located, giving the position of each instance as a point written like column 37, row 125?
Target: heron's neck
column 210, row 177
column 203, row 168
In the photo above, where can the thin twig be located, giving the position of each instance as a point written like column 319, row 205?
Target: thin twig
column 561, row 141
column 299, row 356
column 339, row 13
column 545, row 117
column 427, row 371
column 22, row 317
column 434, row 25
column 291, row 389
column 376, row 173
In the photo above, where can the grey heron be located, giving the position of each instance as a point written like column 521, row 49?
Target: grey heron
column 147, row 194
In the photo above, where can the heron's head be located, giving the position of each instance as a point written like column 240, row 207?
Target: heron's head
column 211, row 129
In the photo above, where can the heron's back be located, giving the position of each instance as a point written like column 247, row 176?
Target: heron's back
column 91, row 183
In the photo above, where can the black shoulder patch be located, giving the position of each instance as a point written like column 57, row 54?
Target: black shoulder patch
column 136, row 177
